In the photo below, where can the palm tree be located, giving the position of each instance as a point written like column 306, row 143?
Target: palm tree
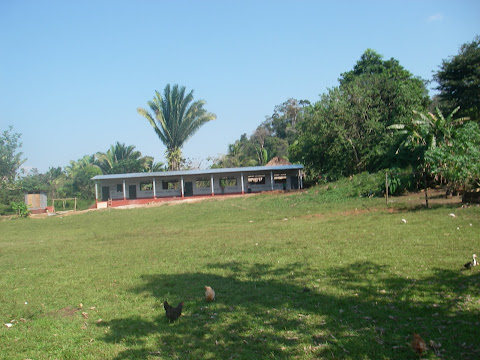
column 121, row 158
column 175, row 119
column 75, row 166
column 152, row 166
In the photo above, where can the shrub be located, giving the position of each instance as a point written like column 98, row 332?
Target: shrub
column 21, row 209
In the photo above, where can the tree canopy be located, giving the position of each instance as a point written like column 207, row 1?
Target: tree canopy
column 459, row 80
column 270, row 139
column 120, row 158
column 10, row 159
column 346, row 131
column 175, row 118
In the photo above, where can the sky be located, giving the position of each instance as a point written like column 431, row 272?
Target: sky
column 73, row 73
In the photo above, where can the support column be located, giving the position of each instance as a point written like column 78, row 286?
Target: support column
column 211, row 184
column 241, row 181
column 124, row 190
column 300, row 178
column 271, row 179
column 154, row 189
column 96, row 192
column 181, row 186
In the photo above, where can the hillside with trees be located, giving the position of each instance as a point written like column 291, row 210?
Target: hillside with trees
column 379, row 118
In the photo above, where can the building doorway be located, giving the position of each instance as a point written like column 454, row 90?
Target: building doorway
column 132, row 191
column 294, row 182
column 188, row 188
column 105, row 193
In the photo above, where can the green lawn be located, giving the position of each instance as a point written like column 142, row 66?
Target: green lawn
column 297, row 276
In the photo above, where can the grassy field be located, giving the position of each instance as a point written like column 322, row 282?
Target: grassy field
column 297, row 276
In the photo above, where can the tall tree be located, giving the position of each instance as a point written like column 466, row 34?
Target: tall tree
column 346, row 131
column 10, row 158
column 175, row 118
column 271, row 138
column 432, row 138
column 285, row 117
column 459, row 80
column 458, row 162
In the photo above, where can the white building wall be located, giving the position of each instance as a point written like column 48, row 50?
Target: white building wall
column 206, row 190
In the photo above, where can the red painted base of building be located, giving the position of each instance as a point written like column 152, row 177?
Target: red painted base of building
column 145, row 201
column 48, row 209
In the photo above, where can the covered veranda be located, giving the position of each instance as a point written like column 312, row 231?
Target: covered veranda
column 139, row 188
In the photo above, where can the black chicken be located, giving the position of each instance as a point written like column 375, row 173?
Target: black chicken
column 173, row 313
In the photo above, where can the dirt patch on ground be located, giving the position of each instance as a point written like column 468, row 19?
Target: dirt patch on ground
column 66, row 312
column 180, row 201
column 435, row 196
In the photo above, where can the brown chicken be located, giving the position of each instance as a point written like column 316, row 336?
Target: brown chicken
column 173, row 313
column 418, row 344
column 209, row 294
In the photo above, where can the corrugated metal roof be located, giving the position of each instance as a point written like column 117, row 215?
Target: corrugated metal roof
column 198, row 172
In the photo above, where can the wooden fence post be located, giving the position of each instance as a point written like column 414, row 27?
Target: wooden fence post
column 386, row 187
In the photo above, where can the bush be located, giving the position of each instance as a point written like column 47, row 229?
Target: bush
column 400, row 181
column 21, row 209
column 360, row 185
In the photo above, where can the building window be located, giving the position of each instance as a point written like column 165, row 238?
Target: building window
column 170, row 184
column 202, row 183
column 228, row 181
column 256, row 180
column 280, row 178
column 146, row 186
column 119, row 187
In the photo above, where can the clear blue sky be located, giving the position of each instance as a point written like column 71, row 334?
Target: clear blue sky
column 72, row 73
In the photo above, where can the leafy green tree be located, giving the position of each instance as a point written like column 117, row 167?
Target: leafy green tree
column 393, row 92
column 175, row 118
column 10, row 159
column 10, row 163
column 459, row 80
column 324, row 145
column 82, row 184
column 458, row 161
column 33, row 181
column 282, row 123
column 56, row 177
column 241, row 153
column 271, row 138
column 431, row 138
column 345, row 133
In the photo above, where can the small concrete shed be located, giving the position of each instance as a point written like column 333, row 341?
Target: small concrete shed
column 36, row 201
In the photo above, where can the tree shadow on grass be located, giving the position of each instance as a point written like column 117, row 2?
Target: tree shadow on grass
column 263, row 312
column 402, row 207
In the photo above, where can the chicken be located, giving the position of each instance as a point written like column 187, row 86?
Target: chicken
column 173, row 313
column 418, row 344
column 472, row 263
column 209, row 294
